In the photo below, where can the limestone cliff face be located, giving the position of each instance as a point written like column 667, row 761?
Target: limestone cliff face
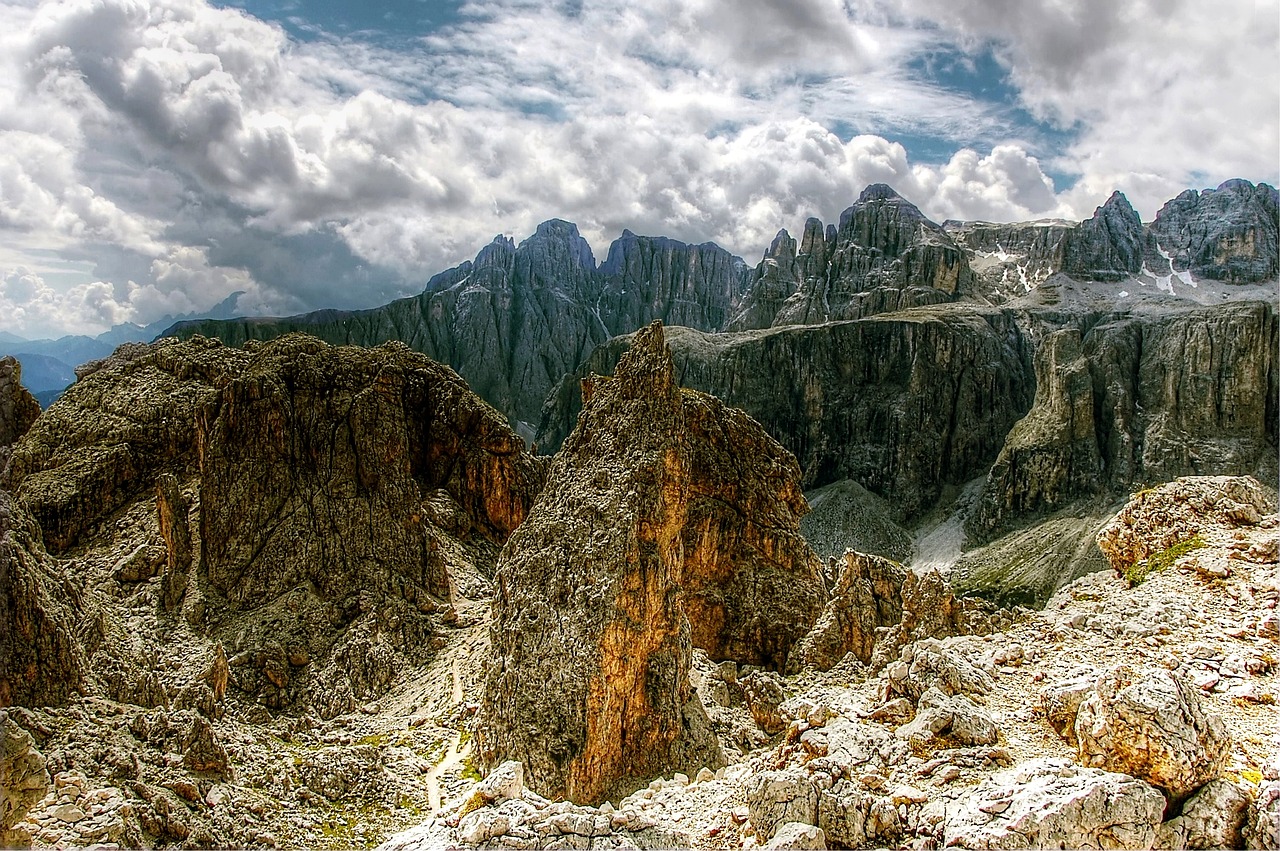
column 646, row 278
column 589, row 682
column 1139, row 399
column 315, row 463
column 128, row 418
column 1224, row 234
column 884, row 255
column 663, row 509
column 901, row 404
column 41, row 661
column 1106, row 247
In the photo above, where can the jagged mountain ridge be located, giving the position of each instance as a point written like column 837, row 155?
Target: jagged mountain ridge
column 519, row 317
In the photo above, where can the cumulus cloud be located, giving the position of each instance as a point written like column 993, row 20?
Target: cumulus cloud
column 1164, row 94
column 34, row 307
column 187, row 151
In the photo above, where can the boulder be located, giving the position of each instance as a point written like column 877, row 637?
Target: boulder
column 1052, row 803
column 802, row 837
column 764, row 696
column 775, row 798
column 929, row 663
column 1262, row 825
column 1151, row 725
column 23, row 777
column 202, row 750
column 1060, row 701
column 1213, row 817
column 854, row 817
column 1155, row 520
column 956, row 718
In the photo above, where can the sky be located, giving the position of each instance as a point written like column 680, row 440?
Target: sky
column 157, row 156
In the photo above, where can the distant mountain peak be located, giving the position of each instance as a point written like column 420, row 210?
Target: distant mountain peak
column 880, row 192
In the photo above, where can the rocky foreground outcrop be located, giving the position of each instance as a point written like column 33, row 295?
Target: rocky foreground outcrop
column 41, row 659
column 314, row 507
column 662, row 509
column 1093, row 724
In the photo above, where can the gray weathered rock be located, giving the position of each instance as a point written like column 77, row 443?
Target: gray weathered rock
column 802, row 837
column 884, row 255
column 1060, row 701
column 1262, row 825
column 23, row 779
column 1153, row 726
column 1108, row 246
column 775, row 798
column 855, row 817
column 867, row 597
column 1051, row 803
column 201, row 749
column 127, row 418
column 1213, row 817
column 929, row 663
column 1224, row 234
column 953, row 717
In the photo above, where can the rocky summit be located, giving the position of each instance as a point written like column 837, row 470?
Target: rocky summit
column 913, row 535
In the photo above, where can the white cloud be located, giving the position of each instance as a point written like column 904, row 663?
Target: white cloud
column 210, row 152
column 34, row 307
column 1165, row 94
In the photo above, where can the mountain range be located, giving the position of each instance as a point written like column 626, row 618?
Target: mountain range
column 290, row 594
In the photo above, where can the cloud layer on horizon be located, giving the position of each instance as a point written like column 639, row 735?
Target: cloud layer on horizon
column 158, row 155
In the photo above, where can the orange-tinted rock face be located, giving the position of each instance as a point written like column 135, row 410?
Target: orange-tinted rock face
column 668, row 521
column 751, row 586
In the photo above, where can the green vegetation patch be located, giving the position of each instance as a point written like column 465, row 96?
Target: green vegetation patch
column 1140, row 571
